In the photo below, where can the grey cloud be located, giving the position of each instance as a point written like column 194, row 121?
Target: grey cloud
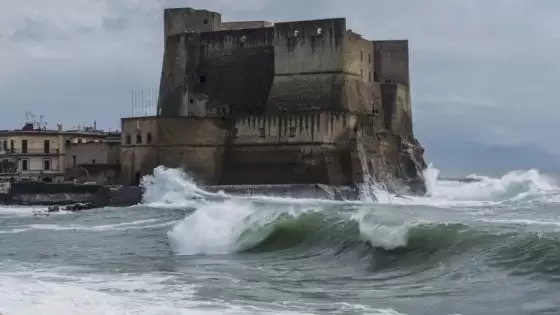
column 114, row 24
column 31, row 30
column 481, row 70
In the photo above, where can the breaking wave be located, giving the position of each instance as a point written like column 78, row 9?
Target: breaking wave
column 515, row 185
column 223, row 224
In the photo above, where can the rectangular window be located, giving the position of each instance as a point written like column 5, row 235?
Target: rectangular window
column 12, row 146
column 369, row 58
column 47, row 146
column 74, row 161
column 369, row 76
column 262, row 132
column 23, row 146
column 47, row 164
column 361, row 73
column 361, row 56
column 205, row 21
column 24, row 165
column 5, row 145
column 93, row 161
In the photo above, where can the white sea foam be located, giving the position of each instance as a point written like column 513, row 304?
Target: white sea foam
column 47, row 292
column 134, row 225
column 18, row 211
column 515, row 186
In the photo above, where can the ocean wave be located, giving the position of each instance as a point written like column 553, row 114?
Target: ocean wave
column 224, row 224
column 388, row 241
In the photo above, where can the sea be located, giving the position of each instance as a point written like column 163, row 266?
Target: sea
column 488, row 245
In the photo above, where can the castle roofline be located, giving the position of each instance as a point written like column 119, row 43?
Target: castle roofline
column 311, row 21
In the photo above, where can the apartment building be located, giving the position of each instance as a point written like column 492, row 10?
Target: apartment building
column 32, row 154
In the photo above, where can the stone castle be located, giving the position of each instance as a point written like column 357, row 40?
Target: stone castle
column 285, row 103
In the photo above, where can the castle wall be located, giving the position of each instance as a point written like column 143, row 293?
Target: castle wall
column 236, row 69
column 308, row 65
column 392, row 61
column 181, row 20
column 294, row 164
column 300, row 148
column 181, row 57
column 194, row 144
column 138, row 153
column 245, row 25
column 303, row 128
column 359, row 57
column 397, row 110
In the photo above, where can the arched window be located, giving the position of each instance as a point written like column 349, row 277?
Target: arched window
column 149, row 138
column 128, row 140
column 139, row 138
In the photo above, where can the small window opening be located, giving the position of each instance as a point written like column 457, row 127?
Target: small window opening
column 202, row 79
column 128, row 139
column 262, row 132
column 369, row 76
column 205, row 21
column 191, row 101
column 292, row 132
column 93, row 161
column 369, row 58
column 361, row 56
column 362, row 73
column 138, row 139
column 149, row 138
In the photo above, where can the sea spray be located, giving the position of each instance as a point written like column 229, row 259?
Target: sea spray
column 382, row 229
column 515, row 185
column 431, row 176
column 168, row 186
column 212, row 229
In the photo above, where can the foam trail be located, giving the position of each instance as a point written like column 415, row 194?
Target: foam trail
column 173, row 188
column 515, row 186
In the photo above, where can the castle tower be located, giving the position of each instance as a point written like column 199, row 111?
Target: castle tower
column 182, row 28
column 189, row 20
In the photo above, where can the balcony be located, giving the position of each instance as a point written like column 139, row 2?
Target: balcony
column 7, row 152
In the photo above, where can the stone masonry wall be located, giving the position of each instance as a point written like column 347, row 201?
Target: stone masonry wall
column 181, row 20
column 236, row 69
column 392, row 61
column 195, row 144
column 307, row 65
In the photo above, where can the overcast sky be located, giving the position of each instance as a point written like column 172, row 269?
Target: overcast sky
column 481, row 70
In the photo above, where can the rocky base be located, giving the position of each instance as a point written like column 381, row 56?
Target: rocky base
column 74, row 207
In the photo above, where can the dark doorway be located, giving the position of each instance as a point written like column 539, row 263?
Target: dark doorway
column 137, row 179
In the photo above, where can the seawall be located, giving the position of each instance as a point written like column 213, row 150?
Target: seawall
column 122, row 196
